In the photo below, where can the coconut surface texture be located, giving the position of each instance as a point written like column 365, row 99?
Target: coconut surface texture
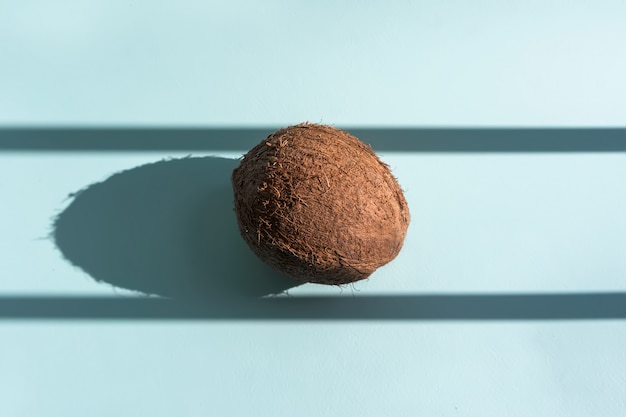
column 318, row 204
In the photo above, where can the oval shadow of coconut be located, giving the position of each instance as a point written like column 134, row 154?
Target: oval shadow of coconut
column 166, row 228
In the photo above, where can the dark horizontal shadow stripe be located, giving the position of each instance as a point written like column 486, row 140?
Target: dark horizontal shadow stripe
column 587, row 306
column 381, row 139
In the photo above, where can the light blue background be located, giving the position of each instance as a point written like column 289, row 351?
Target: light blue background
column 354, row 63
column 482, row 223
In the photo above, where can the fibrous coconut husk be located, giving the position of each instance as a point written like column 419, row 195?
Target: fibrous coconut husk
column 318, row 204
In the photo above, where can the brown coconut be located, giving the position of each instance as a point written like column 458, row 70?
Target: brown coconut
column 317, row 204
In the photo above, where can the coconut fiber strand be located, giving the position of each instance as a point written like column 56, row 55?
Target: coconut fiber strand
column 317, row 204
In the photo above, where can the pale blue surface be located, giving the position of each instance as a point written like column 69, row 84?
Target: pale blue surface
column 506, row 222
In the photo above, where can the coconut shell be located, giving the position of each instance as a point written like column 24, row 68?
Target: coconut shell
column 317, row 204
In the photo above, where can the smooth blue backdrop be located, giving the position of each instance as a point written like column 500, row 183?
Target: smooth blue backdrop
column 482, row 222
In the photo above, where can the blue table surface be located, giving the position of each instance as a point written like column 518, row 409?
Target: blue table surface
column 124, row 284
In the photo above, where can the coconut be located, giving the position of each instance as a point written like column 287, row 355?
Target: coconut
column 319, row 205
